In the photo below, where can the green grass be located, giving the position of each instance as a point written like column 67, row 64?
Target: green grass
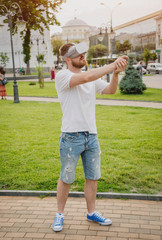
column 49, row 90
column 130, row 141
column 35, row 73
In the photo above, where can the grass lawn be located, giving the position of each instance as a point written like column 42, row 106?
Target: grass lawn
column 130, row 141
column 151, row 94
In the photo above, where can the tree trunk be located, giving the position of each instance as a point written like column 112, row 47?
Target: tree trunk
column 28, row 68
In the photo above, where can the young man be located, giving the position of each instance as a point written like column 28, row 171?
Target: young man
column 77, row 92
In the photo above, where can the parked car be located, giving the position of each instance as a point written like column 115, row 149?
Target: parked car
column 154, row 68
column 143, row 69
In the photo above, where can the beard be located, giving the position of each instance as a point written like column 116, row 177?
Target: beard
column 78, row 64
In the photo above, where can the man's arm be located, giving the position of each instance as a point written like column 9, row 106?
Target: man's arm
column 94, row 74
column 111, row 89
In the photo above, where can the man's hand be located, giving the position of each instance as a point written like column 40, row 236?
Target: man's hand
column 120, row 64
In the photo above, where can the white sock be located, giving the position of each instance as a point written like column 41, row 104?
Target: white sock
column 60, row 214
column 90, row 214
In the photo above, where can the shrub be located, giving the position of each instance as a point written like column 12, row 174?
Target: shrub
column 32, row 83
column 131, row 83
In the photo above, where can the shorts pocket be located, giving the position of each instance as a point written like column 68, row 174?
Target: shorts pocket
column 69, row 136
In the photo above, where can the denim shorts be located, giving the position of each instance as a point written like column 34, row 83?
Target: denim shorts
column 74, row 145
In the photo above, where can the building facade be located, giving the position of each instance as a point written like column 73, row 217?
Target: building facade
column 159, row 37
column 143, row 32
column 76, row 30
column 39, row 45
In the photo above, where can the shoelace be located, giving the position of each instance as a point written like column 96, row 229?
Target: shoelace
column 58, row 220
column 99, row 216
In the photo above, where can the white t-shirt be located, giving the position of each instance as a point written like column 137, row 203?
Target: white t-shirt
column 78, row 103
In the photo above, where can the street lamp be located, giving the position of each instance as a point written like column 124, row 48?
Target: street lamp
column 111, row 11
column 37, row 39
column 111, row 32
column 9, row 12
column 102, row 33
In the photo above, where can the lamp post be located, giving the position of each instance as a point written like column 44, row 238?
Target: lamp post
column 102, row 33
column 9, row 12
column 37, row 39
column 111, row 32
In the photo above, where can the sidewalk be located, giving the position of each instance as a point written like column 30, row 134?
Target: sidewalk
column 106, row 102
column 31, row 218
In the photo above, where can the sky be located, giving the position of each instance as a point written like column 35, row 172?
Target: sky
column 95, row 14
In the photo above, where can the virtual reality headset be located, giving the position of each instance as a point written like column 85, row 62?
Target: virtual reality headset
column 77, row 49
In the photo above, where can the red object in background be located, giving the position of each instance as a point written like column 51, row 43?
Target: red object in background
column 52, row 73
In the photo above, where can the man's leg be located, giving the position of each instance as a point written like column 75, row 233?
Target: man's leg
column 62, row 195
column 90, row 190
column 91, row 165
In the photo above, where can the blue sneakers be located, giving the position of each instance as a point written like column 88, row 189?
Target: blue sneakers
column 97, row 217
column 58, row 222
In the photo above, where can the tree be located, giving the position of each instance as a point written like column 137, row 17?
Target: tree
column 153, row 56
column 4, row 59
column 123, row 47
column 39, row 68
column 146, row 55
column 56, row 44
column 96, row 51
column 100, row 50
column 38, row 14
column 131, row 83
column 118, row 46
column 138, row 58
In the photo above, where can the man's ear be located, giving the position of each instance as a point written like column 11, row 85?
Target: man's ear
column 67, row 60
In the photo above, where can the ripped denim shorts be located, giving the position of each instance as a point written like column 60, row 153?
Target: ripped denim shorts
column 72, row 145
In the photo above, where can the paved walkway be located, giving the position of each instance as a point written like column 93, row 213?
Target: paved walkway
column 105, row 102
column 30, row 218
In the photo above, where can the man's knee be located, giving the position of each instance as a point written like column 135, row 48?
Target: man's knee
column 68, row 176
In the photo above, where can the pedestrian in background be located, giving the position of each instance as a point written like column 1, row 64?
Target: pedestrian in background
column 52, row 73
column 140, row 69
column 3, row 92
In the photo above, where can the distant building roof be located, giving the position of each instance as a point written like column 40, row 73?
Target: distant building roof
column 75, row 22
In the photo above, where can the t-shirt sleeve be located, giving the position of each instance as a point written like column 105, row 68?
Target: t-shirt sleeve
column 100, row 85
column 63, row 80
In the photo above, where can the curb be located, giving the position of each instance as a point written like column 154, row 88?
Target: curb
column 104, row 195
column 102, row 99
column 26, row 77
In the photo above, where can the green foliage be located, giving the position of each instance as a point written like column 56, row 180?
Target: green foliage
column 153, row 56
column 92, row 52
column 38, row 14
column 4, row 59
column 26, row 46
column 138, row 58
column 131, row 83
column 146, row 55
column 74, row 41
column 32, row 83
column 40, row 58
column 102, row 62
column 56, row 44
column 123, row 47
column 89, row 59
column 97, row 51
column 39, row 68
